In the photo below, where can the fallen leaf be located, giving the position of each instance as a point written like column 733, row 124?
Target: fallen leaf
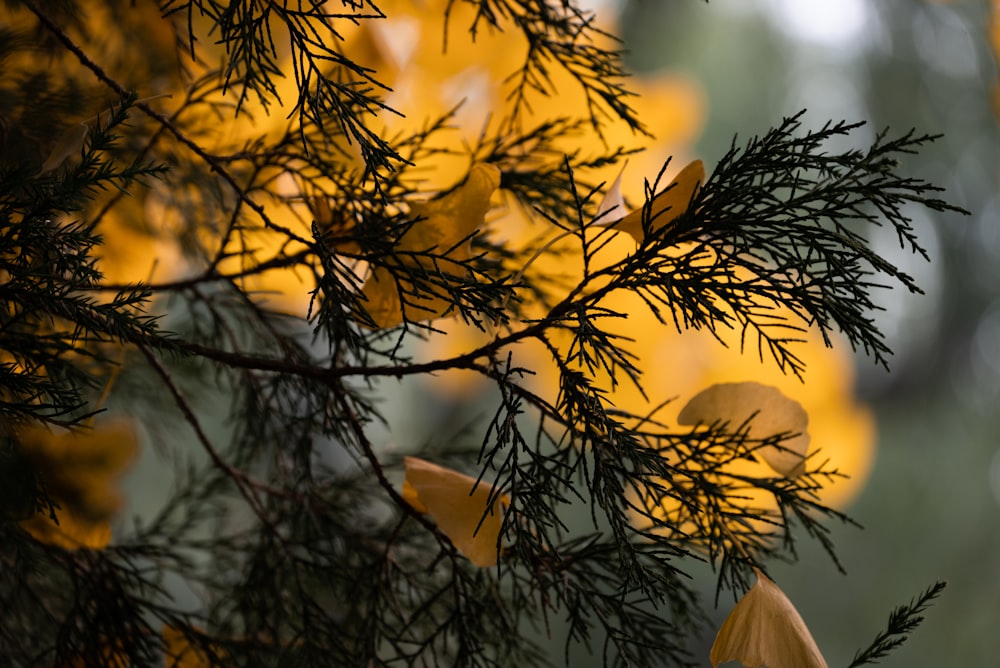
column 612, row 206
column 69, row 144
column 337, row 227
column 180, row 653
column 73, row 532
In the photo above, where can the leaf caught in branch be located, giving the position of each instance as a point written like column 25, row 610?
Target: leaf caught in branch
column 457, row 503
column 180, row 652
column 668, row 204
column 765, row 629
column 764, row 412
column 437, row 243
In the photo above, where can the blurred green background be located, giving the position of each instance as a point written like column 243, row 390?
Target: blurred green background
column 931, row 509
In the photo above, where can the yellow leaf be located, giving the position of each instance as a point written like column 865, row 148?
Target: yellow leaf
column 765, row 412
column 668, row 204
column 765, row 629
column 80, row 470
column 410, row 494
column 449, row 220
column 457, row 504
column 443, row 226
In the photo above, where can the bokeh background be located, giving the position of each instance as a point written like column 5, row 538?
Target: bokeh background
column 931, row 505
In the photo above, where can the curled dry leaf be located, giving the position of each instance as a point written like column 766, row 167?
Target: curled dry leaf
column 612, row 206
column 764, row 411
column 668, row 204
column 443, row 226
column 337, row 226
column 69, row 144
column 765, row 629
column 457, row 504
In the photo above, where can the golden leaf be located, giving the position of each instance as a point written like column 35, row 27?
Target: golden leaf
column 765, row 629
column 443, row 226
column 668, row 204
column 457, row 504
column 765, row 412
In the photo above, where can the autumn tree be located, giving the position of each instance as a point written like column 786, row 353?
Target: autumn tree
column 230, row 231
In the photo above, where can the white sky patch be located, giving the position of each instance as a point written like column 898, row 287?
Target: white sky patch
column 834, row 23
column 601, row 7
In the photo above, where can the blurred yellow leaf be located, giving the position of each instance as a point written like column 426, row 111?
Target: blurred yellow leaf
column 111, row 654
column 456, row 504
column 668, row 204
column 765, row 629
column 442, row 226
column 130, row 252
column 72, row 533
column 69, row 144
column 80, row 470
column 180, row 653
column 764, row 411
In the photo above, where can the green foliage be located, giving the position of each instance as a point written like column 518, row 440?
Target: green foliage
column 285, row 516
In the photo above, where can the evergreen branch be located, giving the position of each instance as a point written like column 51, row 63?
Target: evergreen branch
column 329, row 85
column 238, row 477
column 903, row 620
column 559, row 34
column 534, row 166
column 780, row 219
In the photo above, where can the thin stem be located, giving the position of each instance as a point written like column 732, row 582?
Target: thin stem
column 736, row 543
column 239, row 478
